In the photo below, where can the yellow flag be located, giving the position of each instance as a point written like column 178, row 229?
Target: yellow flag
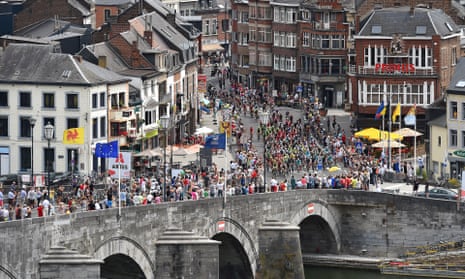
column 396, row 113
column 73, row 136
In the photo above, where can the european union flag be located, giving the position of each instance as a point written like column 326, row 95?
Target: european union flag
column 107, row 150
column 216, row 141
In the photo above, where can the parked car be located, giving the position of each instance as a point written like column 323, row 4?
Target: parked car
column 440, row 193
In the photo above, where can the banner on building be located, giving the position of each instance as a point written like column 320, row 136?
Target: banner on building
column 202, row 83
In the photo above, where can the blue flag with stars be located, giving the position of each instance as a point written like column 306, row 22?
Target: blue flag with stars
column 216, row 141
column 107, row 150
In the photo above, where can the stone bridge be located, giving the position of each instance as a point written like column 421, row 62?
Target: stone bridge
column 254, row 236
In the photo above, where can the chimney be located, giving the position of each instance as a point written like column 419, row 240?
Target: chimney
column 102, row 61
column 412, row 7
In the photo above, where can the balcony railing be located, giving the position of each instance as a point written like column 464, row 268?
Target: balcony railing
column 361, row 70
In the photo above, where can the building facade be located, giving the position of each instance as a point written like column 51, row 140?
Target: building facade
column 403, row 55
column 65, row 91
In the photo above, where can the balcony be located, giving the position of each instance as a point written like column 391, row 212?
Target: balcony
column 378, row 71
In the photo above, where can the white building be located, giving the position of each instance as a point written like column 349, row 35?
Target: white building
column 66, row 91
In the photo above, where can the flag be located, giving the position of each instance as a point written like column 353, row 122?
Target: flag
column 381, row 111
column 396, row 113
column 73, row 136
column 107, row 150
column 411, row 118
column 216, row 141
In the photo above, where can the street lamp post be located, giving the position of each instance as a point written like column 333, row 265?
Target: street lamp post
column 32, row 123
column 49, row 130
column 165, row 123
column 264, row 119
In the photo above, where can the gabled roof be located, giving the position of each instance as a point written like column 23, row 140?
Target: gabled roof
column 457, row 83
column 168, row 32
column 400, row 20
column 27, row 63
column 124, row 49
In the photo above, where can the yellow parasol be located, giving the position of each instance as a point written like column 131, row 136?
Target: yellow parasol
column 377, row 135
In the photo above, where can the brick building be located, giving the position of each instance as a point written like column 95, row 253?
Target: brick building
column 403, row 55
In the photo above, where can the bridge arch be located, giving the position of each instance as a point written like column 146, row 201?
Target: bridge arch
column 125, row 247
column 7, row 273
column 317, row 211
column 234, row 232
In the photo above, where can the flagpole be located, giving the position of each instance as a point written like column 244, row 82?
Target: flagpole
column 225, row 172
column 119, row 188
column 415, row 147
column 390, row 130
column 399, row 117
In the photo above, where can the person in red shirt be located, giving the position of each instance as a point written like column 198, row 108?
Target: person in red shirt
column 40, row 210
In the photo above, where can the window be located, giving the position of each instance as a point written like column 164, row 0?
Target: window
column 214, row 27
column 94, row 128
column 25, row 99
column 453, row 110
column 325, row 41
column 454, row 56
column 72, row 101
column 72, row 123
column 3, row 126
column 374, row 55
column 103, row 126
column 3, row 98
column 463, row 138
column 25, row 127
column 276, row 39
column 94, row 100
column 453, row 137
column 463, row 111
column 421, row 57
column 290, row 40
column 107, row 14
column 206, row 30
column 49, row 100
column 306, row 39
column 439, row 141
column 25, row 158
column 102, row 99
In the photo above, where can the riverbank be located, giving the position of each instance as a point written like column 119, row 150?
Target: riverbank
column 438, row 266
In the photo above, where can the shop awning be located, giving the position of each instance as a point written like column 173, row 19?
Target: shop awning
column 212, row 47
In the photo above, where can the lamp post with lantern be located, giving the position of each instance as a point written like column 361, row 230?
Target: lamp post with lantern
column 264, row 120
column 32, row 123
column 49, row 131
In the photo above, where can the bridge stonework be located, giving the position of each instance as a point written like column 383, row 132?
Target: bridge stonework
column 330, row 221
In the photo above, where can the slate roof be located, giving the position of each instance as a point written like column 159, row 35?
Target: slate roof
column 399, row 20
column 169, row 33
column 440, row 121
column 112, row 2
column 50, row 27
column 27, row 63
column 457, row 83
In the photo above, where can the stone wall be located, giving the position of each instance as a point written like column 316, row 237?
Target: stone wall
column 381, row 224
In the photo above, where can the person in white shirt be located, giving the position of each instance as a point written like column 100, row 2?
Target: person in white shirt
column 46, row 205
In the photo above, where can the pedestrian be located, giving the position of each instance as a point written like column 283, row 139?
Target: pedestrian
column 427, row 189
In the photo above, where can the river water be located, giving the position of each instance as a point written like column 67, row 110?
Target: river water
column 313, row 272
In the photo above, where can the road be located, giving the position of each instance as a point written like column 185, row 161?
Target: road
column 342, row 118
